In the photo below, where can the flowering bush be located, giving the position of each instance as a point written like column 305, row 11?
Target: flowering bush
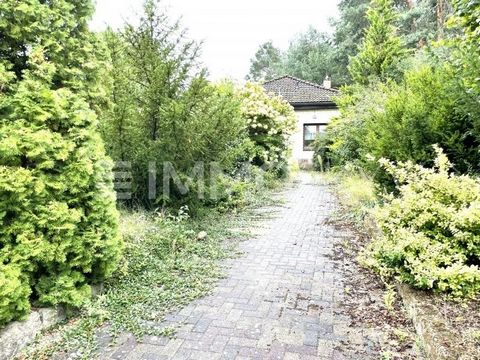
column 431, row 231
column 271, row 122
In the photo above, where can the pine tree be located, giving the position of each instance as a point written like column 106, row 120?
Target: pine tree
column 266, row 63
column 165, row 111
column 310, row 57
column 381, row 49
column 58, row 220
column 349, row 32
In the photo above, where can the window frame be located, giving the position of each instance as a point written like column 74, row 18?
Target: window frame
column 317, row 125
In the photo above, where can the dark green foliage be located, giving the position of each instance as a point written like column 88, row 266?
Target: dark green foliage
column 266, row 63
column 322, row 155
column 421, row 111
column 466, row 57
column 435, row 103
column 346, row 133
column 397, row 111
column 349, row 32
column 58, row 221
column 165, row 112
column 425, row 108
column 468, row 13
column 423, row 21
column 310, row 57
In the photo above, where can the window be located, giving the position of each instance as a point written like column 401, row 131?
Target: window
column 310, row 132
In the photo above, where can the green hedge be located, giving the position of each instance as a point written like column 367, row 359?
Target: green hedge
column 58, row 219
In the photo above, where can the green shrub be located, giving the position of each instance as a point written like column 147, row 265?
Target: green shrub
column 382, row 49
column 322, row 155
column 14, row 293
column 164, row 110
column 421, row 111
column 344, row 140
column 58, row 220
column 431, row 231
column 402, row 121
column 271, row 122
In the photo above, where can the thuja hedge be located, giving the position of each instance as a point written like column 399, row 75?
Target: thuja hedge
column 58, row 220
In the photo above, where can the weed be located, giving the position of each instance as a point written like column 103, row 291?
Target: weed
column 389, row 297
column 387, row 355
column 168, row 331
column 475, row 335
column 401, row 335
column 164, row 267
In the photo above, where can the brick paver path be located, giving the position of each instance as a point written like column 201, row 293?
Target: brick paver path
column 278, row 299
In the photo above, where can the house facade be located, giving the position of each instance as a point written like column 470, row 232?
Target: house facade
column 314, row 106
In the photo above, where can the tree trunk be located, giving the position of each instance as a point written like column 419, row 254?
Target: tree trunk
column 440, row 18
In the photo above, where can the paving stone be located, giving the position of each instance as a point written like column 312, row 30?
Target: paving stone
column 291, row 356
column 277, row 300
column 147, row 352
column 202, row 325
column 172, row 347
column 230, row 352
column 152, row 356
column 127, row 344
column 310, row 338
column 155, row 340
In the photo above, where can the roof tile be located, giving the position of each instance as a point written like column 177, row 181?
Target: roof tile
column 298, row 92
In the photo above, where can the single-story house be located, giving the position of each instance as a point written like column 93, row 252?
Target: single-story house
column 314, row 107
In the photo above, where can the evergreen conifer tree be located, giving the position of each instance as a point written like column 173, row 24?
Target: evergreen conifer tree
column 381, row 49
column 58, row 219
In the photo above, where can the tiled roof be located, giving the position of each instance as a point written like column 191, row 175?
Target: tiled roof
column 300, row 92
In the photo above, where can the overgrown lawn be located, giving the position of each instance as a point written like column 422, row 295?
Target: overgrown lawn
column 166, row 264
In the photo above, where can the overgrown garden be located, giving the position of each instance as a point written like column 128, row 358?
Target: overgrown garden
column 408, row 71
column 409, row 120
column 84, row 114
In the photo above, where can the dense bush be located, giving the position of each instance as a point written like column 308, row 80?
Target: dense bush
column 424, row 109
column 58, row 221
column 431, row 231
column 322, row 154
column 398, row 110
column 165, row 112
column 401, row 121
column 343, row 141
column 271, row 122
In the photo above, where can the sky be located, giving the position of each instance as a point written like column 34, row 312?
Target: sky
column 231, row 31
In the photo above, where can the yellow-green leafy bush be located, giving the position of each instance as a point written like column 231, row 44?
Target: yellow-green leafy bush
column 431, row 230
